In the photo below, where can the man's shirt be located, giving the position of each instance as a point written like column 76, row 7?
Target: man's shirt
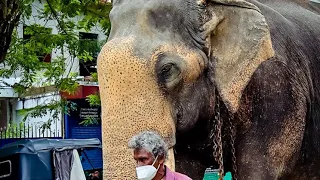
column 170, row 175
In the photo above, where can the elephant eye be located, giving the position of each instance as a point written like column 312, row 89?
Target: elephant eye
column 169, row 72
column 167, row 69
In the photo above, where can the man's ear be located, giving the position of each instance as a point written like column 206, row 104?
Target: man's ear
column 161, row 159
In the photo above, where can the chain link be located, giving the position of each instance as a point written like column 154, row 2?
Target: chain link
column 232, row 133
column 218, row 149
column 216, row 137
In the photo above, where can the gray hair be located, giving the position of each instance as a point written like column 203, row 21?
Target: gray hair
column 151, row 142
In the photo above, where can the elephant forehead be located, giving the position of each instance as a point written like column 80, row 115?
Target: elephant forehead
column 120, row 51
column 157, row 21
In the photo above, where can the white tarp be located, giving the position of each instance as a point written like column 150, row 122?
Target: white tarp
column 77, row 172
column 68, row 165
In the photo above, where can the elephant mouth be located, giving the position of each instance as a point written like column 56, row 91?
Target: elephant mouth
column 184, row 120
column 178, row 118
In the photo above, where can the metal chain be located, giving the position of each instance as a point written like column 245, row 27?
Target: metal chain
column 213, row 130
column 216, row 136
column 218, row 150
column 232, row 133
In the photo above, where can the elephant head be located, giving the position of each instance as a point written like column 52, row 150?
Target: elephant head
column 162, row 63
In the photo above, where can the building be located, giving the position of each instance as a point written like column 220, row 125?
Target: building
column 12, row 107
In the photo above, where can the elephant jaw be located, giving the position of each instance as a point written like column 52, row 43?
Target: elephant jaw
column 132, row 102
column 170, row 162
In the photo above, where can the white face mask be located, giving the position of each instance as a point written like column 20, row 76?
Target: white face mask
column 147, row 172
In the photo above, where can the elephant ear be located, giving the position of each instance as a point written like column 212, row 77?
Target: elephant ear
column 240, row 41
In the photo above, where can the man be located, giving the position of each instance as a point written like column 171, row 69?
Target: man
column 150, row 152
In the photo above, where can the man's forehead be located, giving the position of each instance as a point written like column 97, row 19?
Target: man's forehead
column 141, row 153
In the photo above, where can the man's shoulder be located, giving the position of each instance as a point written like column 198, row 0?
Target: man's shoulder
column 180, row 176
column 170, row 175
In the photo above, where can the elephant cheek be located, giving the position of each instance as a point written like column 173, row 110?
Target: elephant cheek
column 131, row 102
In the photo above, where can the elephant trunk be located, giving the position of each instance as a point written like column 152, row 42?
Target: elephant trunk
column 131, row 102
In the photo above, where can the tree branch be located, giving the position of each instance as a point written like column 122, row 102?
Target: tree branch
column 55, row 14
column 9, row 17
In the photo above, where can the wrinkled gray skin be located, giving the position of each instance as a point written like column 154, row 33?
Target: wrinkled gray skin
column 279, row 113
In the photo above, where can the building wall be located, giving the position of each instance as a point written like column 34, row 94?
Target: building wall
column 56, row 127
column 30, row 102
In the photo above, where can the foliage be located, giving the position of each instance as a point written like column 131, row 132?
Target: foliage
column 13, row 130
column 94, row 99
column 90, row 121
column 28, row 55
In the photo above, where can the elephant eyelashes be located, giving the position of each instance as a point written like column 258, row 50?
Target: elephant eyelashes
column 168, row 72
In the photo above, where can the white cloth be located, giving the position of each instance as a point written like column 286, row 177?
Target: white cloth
column 77, row 172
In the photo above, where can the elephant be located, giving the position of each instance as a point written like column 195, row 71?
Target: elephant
column 229, row 84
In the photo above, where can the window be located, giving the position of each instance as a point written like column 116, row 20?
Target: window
column 29, row 33
column 89, row 44
column 3, row 113
column 6, row 169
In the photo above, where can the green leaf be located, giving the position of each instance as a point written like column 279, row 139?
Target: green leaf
column 26, row 55
column 94, row 99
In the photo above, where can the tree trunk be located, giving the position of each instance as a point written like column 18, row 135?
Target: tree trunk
column 9, row 17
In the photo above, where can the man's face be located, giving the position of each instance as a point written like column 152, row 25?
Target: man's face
column 143, row 157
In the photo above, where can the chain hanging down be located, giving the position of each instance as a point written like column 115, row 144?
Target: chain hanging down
column 232, row 133
column 217, row 138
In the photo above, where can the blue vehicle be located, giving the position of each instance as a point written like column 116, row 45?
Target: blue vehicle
column 44, row 159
